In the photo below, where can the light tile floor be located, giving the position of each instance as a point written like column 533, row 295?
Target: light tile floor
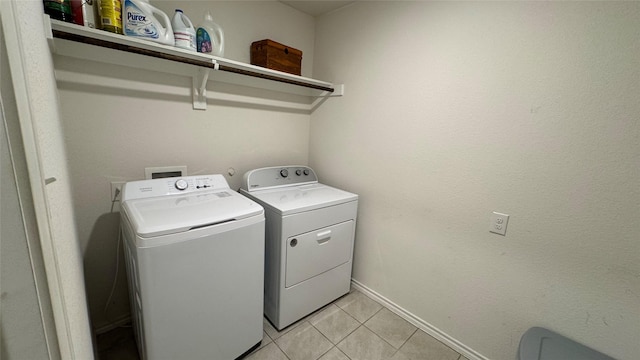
column 353, row 327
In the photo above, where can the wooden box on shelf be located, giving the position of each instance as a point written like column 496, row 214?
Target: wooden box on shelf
column 273, row 55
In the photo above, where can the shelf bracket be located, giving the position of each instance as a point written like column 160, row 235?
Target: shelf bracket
column 338, row 90
column 199, row 89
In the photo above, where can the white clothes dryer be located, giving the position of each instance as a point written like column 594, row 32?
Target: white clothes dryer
column 310, row 230
column 195, row 263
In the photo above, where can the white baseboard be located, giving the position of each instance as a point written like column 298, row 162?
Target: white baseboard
column 123, row 320
column 419, row 323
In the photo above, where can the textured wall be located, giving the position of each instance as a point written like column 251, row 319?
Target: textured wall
column 119, row 120
column 454, row 110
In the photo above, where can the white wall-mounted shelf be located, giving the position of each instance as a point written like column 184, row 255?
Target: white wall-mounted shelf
column 91, row 44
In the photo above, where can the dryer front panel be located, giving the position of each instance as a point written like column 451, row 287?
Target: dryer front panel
column 317, row 251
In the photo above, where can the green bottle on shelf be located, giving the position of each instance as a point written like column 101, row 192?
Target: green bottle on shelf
column 59, row 9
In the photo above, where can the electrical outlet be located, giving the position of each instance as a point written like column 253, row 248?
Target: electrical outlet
column 498, row 223
column 116, row 189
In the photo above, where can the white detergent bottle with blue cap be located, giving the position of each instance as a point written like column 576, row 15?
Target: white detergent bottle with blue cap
column 210, row 37
column 143, row 20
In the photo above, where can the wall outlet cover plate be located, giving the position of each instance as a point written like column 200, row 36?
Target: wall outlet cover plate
column 498, row 223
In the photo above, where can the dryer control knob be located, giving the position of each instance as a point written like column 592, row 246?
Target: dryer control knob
column 298, row 172
column 181, row 184
column 306, row 171
column 284, row 173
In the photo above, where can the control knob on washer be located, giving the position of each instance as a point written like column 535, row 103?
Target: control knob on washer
column 298, row 172
column 306, row 171
column 284, row 173
column 181, row 184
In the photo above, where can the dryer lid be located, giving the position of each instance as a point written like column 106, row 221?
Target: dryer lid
column 172, row 214
column 295, row 199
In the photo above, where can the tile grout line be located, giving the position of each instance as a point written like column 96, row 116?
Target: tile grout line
column 282, row 351
column 349, row 333
column 385, row 340
column 410, row 336
column 378, row 335
column 299, row 323
column 324, row 336
column 360, row 324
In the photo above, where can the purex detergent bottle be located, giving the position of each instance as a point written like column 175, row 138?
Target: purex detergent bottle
column 144, row 21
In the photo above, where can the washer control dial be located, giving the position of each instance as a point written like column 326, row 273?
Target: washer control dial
column 284, row 173
column 298, row 172
column 181, row 184
column 306, row 171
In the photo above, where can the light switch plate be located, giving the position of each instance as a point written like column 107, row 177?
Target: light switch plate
column 498, row 223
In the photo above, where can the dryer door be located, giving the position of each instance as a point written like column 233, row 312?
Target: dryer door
column 315, row 252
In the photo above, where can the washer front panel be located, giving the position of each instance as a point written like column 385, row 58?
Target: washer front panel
column 201, row 298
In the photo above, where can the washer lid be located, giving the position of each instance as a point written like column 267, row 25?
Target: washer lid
column 295, row 199
column 178, row 213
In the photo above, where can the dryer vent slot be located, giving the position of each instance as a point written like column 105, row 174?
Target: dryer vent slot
column 211, row 224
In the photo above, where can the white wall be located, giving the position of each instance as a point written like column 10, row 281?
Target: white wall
column 454, row 110
column 119, row 120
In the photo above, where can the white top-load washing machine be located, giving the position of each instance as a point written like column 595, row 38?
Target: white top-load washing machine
column 195, row 264
column 310, row 230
